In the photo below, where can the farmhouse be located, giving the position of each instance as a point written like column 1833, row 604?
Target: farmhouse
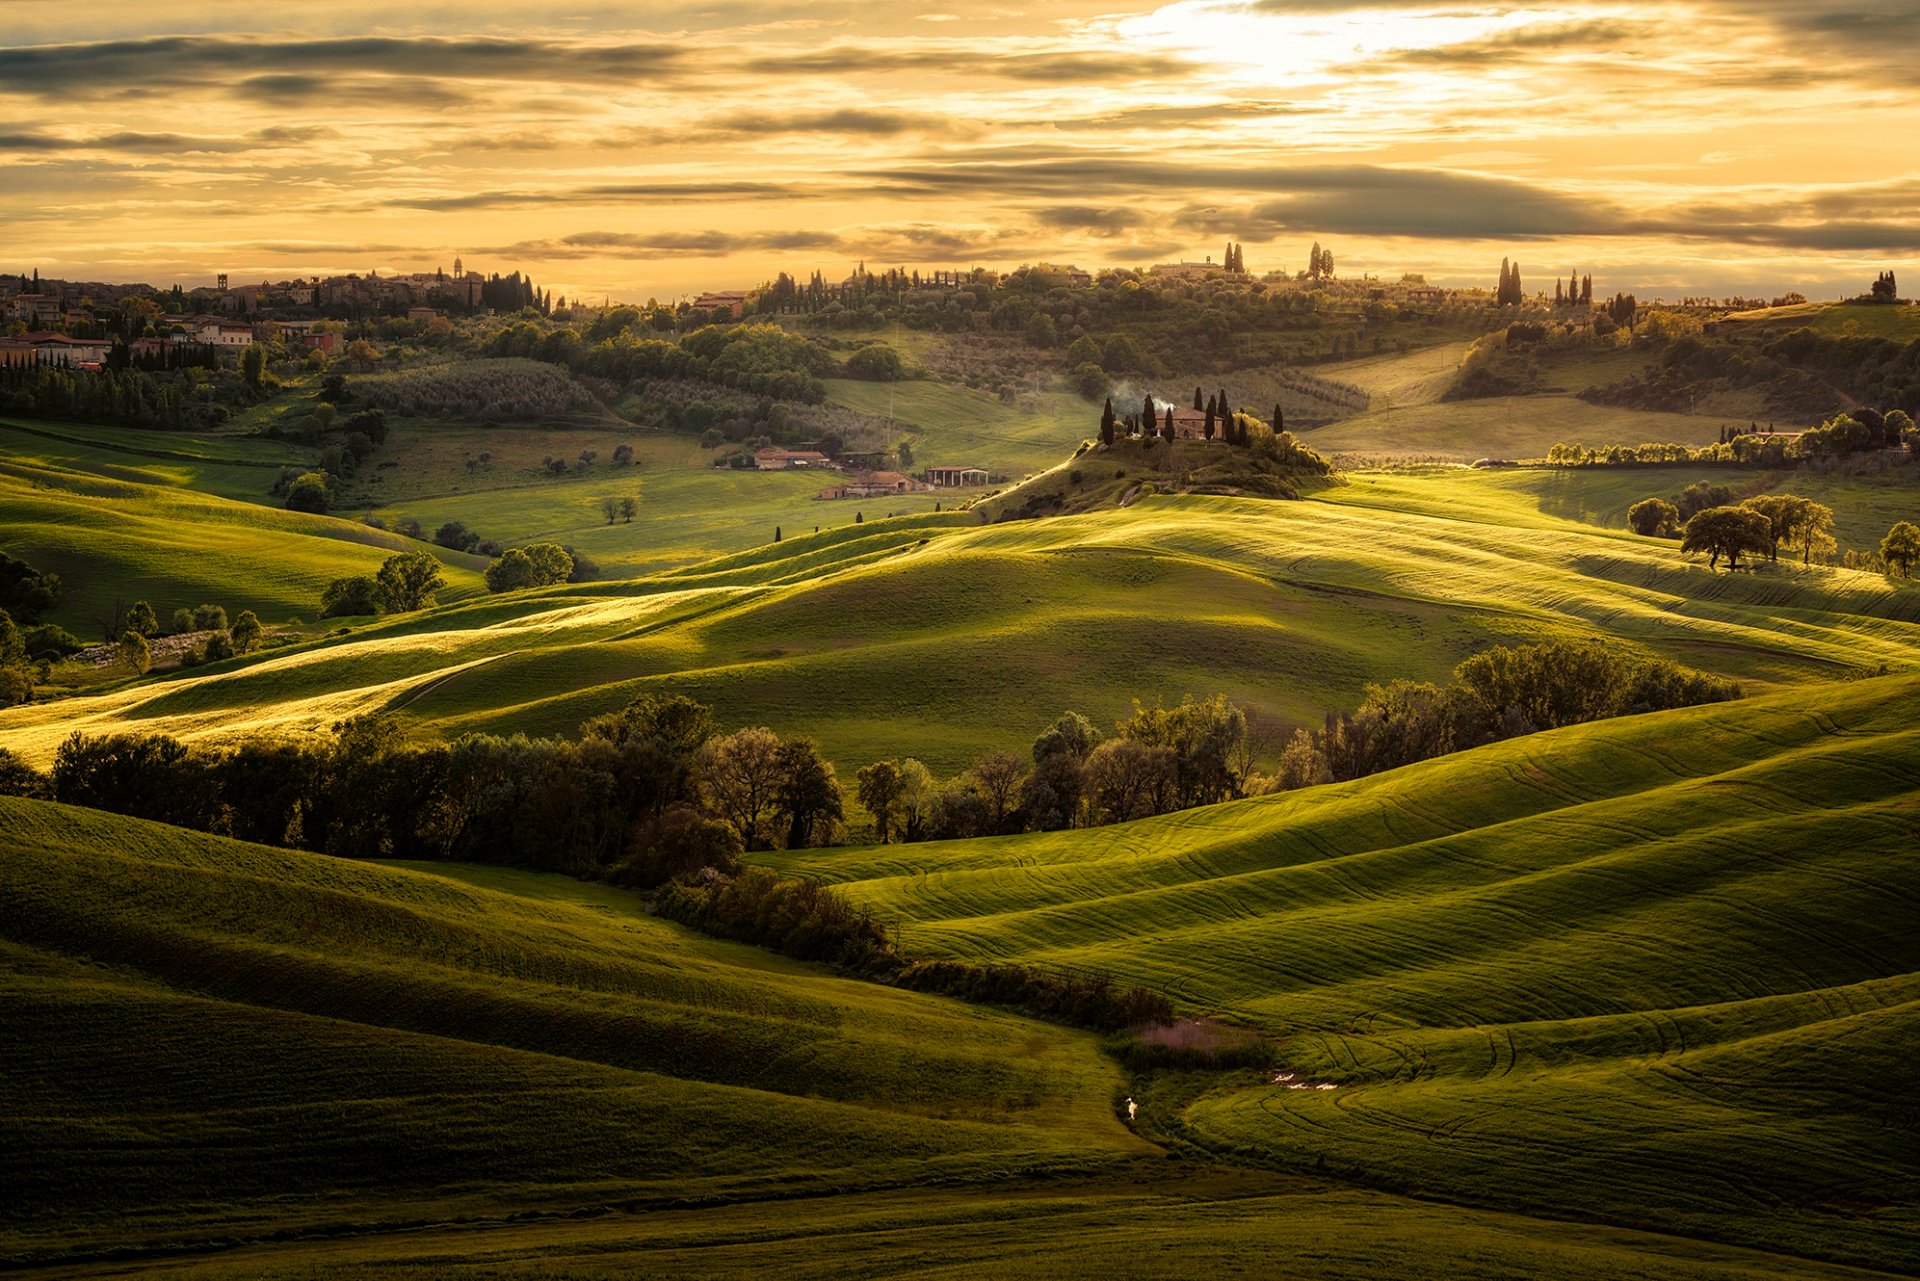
column 773, row 458
column 733, row 301
column 878, row 484
column 956, row 477
column 55, row 349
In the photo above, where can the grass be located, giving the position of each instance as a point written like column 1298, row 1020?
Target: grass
column 955, row 426
column 1840, row 320
column 208, row 1040
column 1658, row 971
column 1865, row 505
column 235, row 467
column 940, row 638
column 1507, row 427
column 116, row 541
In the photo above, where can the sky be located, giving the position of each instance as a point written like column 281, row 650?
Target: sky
column 628, row 151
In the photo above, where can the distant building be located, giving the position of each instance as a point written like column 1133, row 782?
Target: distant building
column 956, row 477
column 327, row 342
column 223, row 333
column 732, row 301
column 774, row 458
column 879, row 484
column 422, row 313
column 36, row 311
column 1185, row 270
column 62, row 350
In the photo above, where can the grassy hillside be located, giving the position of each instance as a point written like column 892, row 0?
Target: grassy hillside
column 208, row 1039
column 1847, row 319
column 253, row 1063
column 116, row 540
column 956, row 426
column 230, row 466
column 1865, row 505
column 1662, row 970
column 1505, row 427
column 945, row 639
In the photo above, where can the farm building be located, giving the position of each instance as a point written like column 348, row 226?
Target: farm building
column 955, row 477
column 773, row 458
column 877, row 484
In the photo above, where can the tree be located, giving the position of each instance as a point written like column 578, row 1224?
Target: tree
column 808, row 798
column 455, row 536
column 25, row 592
column 218, row 649
column 1901, row 548
column 1166, row 428
column 1654, row 517
column 407, row 582
column 133, row 651
column 878, row 787
column 610, row 507
column 998, row 777
column 1129, row 779
column 739, row 776
column 209, row 618
column 1148, row 414
column 1727, row 531
column 881, row 363
column 628, row 506
column 253, row 365
column 245, row 632
column 1795, row 521
column 512, row 572
column 140, row 618
column 1106, row 423
column 309, row 492
column 354, row 597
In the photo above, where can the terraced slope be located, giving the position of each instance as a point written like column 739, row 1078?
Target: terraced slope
column 1663, row 970
column 943, row 639
column 120, row 541
column 207, row 1040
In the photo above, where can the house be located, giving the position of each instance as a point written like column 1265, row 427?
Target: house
column 732, row 301
column 65, row 351
column 956, row 477
column 223, row 333
column 1188, row 424
column 35, row 310
column 331, row 343
column 878, row 484
column 422, row 313
column 773, row 458
column 1185, row 270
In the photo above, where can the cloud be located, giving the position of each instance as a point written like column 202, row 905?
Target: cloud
column 1060, row 67
column 668, row 244
column 291, row 90
column 1104, row 221
column 194, row 60
column 607, row 193
column 855, row 121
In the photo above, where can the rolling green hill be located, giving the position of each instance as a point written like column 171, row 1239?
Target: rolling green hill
column 945, row 639
column 209, row 1040
column 1662, row 970
column 120, row 541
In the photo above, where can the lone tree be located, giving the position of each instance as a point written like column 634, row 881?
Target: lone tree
column 140, row 618
column 407, row 582
column 1654, row 517
column 1166, row 429
column 1901, row 548
column 245, row 632
column 1727, row 531
column 308, row 493
column 628, row 506
column 610, row 508
column 1106, row 423
column 134, row 652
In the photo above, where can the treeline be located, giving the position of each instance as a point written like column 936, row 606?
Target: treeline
column 651, row 796
column 1499, row 694
column 184, row 399
column 1844, row 435
column 762, row 359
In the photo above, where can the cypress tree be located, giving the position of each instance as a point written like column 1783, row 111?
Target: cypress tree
column 1279, row 420
column 1148, row 414
column 1210, row 421
column 1106, row 424
column 1223, row 402
column 1197, row 403
column 1166, row 432
column 1506, row 280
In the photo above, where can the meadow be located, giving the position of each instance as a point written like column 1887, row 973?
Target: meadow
column 866, row 636
column 117, row 541
column 1660, row 971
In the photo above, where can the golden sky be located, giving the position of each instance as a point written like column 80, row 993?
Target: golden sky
column 636, row 150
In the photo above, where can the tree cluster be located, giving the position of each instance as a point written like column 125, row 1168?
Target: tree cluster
column 1498, row 694
column 404, row 583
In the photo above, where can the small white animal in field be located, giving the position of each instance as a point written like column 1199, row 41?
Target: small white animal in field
column 1133, row 1109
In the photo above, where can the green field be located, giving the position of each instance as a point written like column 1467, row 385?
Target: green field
column 1510, row 427
column 1660, row 971
column 238, row 467
column 946, row 639
column 955, row 426
column 116, row 541
column 1840, row 320
column 1433, row 955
